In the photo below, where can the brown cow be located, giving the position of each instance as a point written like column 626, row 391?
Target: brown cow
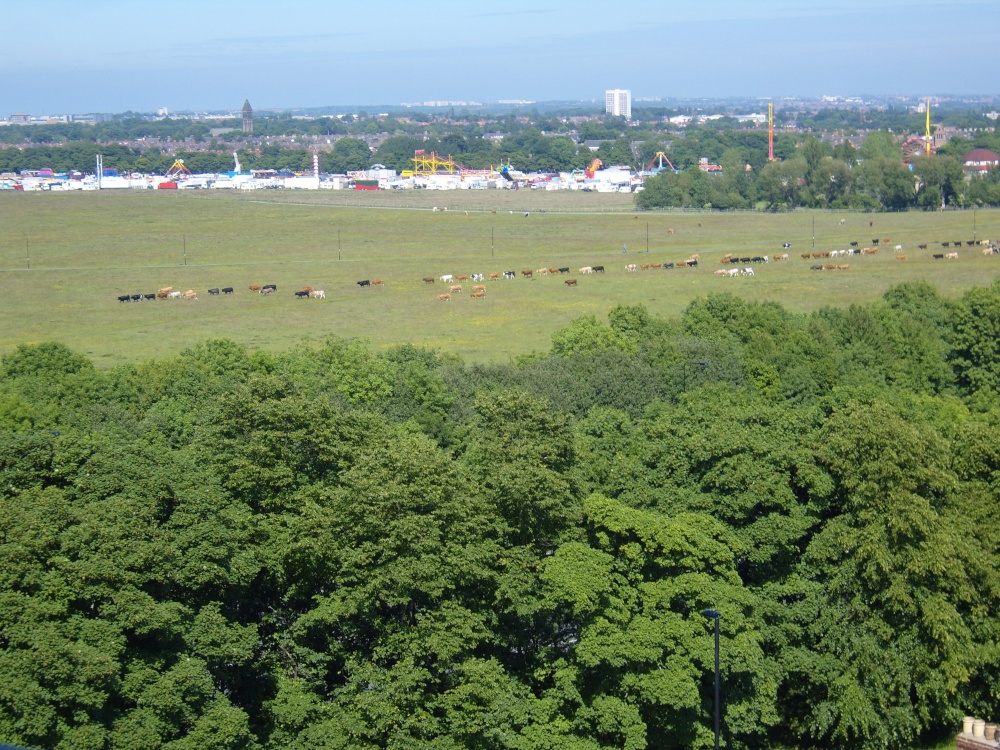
column 527, row 274
column 457, row 289
column 900, row 257
column 378, row 282
column 462, row 277
column 479, row 288
column 553, row 270
column 570, row 282
column 429, row 279
column 254, row 288
column 478, row 295
column 494, row 276
column 444, row 297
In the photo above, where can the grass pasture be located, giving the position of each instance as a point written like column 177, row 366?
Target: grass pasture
column 85, row 249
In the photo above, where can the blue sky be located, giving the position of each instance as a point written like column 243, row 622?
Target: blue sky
column 109, row 55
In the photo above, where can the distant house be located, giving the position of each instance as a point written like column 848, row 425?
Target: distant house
column 980, row 160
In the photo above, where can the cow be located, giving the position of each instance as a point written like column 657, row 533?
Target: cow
column 553, row 271
column 456, row 289
column 900, row 257
column 721, row 272
column 272, row 287
column 922, row 247
column 670, row 230
column 363, row 283
column 429, row 279
column 842, row 222
column 302, row 294
column 317, row 294
column 854, row 244
column 586, row 269
column 378, row 282
column 898, row 248
column 956, row 243
column 462, row 277
column 214, row 291
column 692, row 262
column 479, row 288
column 307, row 289
column 190, row 294
column 733, row 272
column 494, row 277
column 570, row 282
column 598, row 269
column 446, row 278
column 945, row 244
column 970, row 243
column 149, row 296
column 815, row 268
column 478, row 295
column 656, row 265
column 254, row 287
column 509, row 275
column 227, row 290
column 267, row 290
column 951, row 256
column 124, row 298
column 938, row 256
column 162, row 295
column 644, row 267
column 875, row 242
column 542, row 272
column 786, row 245
column 478, row 277
column 444, row 297
column 564, row 269
column 527, row 273
column 748, row 271
column 987, row 250
column 165, row 289
column 805, row 256
column 668, row 265
column 175, row 294
column 136, row 297
column 843, row 267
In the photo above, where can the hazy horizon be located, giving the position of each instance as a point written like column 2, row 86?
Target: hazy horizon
column 106, row 56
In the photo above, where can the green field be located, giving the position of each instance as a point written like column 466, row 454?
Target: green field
column 85, row 249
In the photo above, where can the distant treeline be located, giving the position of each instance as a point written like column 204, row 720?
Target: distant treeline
column 334, row 547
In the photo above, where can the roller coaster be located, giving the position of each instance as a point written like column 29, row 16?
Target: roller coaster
column 425, row 164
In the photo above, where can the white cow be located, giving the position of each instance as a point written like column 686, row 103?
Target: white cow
column 317, row 294
column 447, row 277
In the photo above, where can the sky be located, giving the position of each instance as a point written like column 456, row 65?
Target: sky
column 68, row 56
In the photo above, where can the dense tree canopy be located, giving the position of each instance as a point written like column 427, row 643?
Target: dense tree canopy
column 334, row 547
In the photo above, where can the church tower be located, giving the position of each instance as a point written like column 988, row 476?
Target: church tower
column 247, row 117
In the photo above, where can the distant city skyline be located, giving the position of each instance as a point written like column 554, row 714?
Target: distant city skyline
column 109, row 56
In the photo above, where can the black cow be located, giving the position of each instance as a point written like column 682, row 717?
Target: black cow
column 366, row 282
column 564, row 270
column 149, row 296
column 227, row 290
column 788, row 245
column 598, row 269
column 669, row 264
column 874, row 241
column 938, row 256
column 214, row 291
column 136, row 297
column 272, row 287
column 302, row 295
column 125, row 298
column 509, row 275
column 854, row 244
column 692, row 263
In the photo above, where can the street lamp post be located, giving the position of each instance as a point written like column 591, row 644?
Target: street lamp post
column 718, row 701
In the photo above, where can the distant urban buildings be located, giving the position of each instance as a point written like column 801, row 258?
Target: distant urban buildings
column 618, row 102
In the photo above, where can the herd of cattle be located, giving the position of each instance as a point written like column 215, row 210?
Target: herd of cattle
column 454, row 281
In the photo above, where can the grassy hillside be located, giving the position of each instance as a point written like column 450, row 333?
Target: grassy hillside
column 86, row 249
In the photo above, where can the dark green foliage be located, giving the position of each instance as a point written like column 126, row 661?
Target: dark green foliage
column 335, row 547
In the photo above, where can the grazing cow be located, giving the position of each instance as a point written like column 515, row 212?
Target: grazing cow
column 682, row 263
column 363, row 283
column 951, row 256
column 494, row 277
column 214, row 291
column 829, row 267
column 875, row 242
column 670, row 230
column 149, row 296
column 570, row 282
column 987, row 251
column 598, row 269
column 254, row 288
column 444, row 297
column 478, row 295
column 900, row 257
column 898, row 248
column 842, row 222
column 378, row 282
column 227, row 290
column 428, row 279
column 302, row 294
column 267, row 290
column 869, row 250
column 922, row 247
column 854, row 244
column 317, row 294
column 805, row 256
column 526, row 273
column 509, row 275
column 945, row 244
column 630, row 267
column 456, row 289
column 462, row 277
column 886, row 240
column 124, row 298
column 938, row 256
column 446, row 278
column 175, row 294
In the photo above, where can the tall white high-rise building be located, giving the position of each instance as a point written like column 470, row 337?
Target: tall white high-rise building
column 618, row 102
